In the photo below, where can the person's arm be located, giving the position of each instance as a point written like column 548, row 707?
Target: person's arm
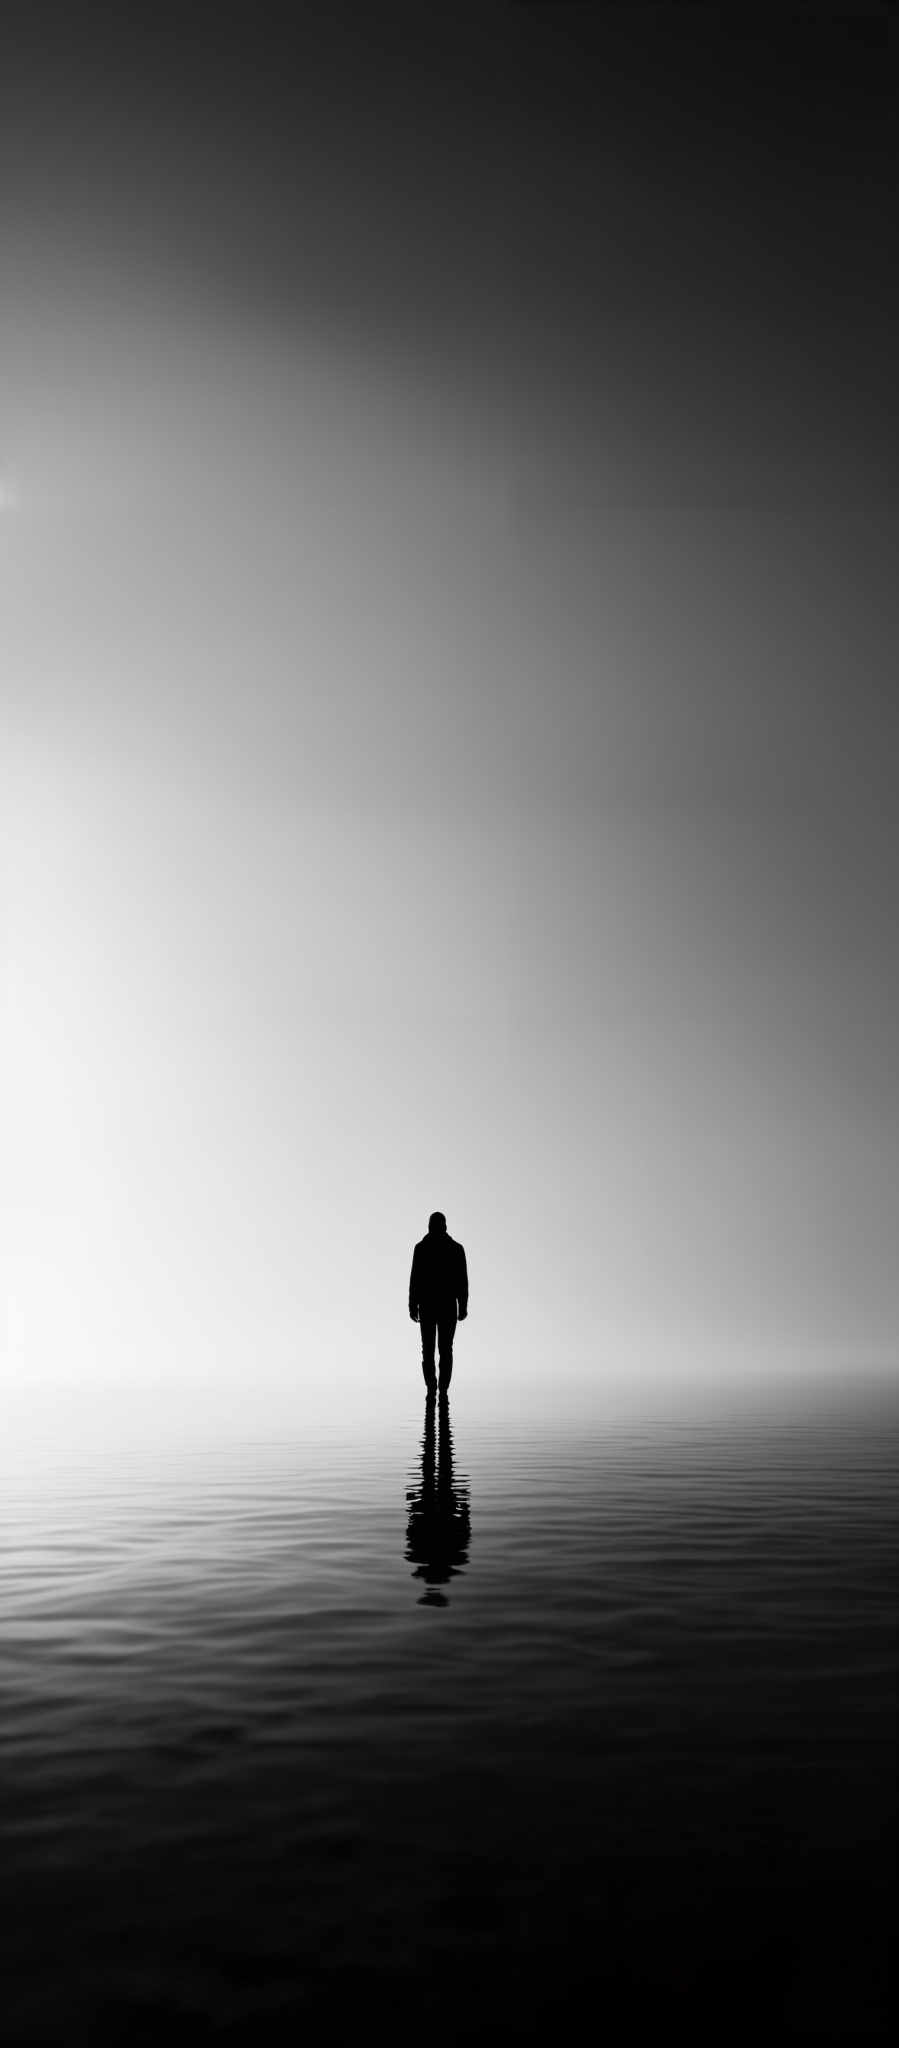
column 462, row 1285
column 413, row 1288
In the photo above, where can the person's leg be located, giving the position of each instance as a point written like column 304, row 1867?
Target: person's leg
column 428, row 1327
column 447, row 1330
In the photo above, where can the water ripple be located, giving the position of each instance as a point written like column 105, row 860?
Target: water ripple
column 263, row 1711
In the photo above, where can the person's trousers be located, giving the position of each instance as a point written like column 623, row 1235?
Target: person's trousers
column 443, row 1329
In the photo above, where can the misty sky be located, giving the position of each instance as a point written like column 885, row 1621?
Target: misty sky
column 448, row 687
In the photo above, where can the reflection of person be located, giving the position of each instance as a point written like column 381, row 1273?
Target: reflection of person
column 439, row 1525
column 438, row 1294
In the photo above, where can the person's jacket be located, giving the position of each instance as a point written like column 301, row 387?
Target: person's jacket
column 438, row 1282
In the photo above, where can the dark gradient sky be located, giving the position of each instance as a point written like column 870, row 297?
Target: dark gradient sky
column 450, row 726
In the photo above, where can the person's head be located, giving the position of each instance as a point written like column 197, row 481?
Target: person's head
column 437, row 1224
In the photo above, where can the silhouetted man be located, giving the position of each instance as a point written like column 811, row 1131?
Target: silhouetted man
column 438, row 1293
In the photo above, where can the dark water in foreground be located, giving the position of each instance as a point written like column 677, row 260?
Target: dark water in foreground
column 452, row 1726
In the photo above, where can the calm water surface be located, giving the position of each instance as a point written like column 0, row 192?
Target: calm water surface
column 451, row 1723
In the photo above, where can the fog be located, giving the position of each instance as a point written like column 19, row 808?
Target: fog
column 447, row 758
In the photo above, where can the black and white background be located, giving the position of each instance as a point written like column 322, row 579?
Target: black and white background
column 449, row 744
